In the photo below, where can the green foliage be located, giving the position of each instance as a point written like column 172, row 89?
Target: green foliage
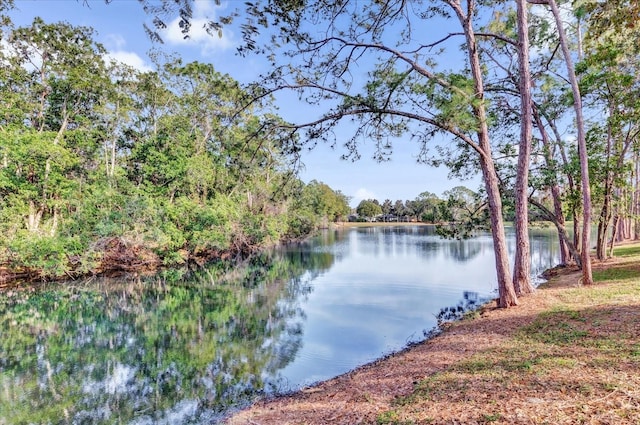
column 368, row 208
column 168, row 162
column 48, row 255
column 464, row 212
column 323, row 201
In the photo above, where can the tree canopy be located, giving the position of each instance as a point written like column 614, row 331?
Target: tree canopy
column 103, row 166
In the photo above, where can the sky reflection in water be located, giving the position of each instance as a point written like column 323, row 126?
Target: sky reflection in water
column 386, row 289
column 183, row 349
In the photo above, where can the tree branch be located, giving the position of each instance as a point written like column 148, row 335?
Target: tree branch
column 367, row 110
column 398, row 54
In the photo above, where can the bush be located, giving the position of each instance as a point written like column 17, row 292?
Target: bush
column 45, row 254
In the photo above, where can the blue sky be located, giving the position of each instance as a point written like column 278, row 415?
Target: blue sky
column 119, row 28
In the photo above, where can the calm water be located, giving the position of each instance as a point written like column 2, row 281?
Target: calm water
column 185, row 348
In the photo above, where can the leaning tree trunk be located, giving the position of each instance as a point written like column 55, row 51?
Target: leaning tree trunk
column 615, row 233
column 506, row 293
column 562, row 231
column 573, row 188
column 587, row 277
column 522, row 262
column 559, row 221
column 563, row 239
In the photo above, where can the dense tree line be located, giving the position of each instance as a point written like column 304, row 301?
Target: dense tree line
column 104, row 167
column 459, row 213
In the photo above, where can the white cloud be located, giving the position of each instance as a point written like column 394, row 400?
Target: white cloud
column 129, row 58
column 362, row 194
column 116, row 44
column 115, row 41
column 5, row 48
column 8, row 51
column 204, row 11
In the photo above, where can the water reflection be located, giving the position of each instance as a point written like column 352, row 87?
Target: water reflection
column 184, row 347
column 463, row 251
column 388, row 289
column 151, row 351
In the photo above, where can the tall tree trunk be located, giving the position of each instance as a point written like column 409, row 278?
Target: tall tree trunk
column 563, row 239
column 636, row 197
column 587, row 277
column 614, row 233
column 506, row 293
column 573, row 187
column 603, row 223
column 558, row 213
column 562, row 231
column 605, row 213
column 522, row 262
column 628, row 208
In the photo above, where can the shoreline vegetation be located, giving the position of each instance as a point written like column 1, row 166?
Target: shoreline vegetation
column 115, row 255
column 568, row 354
column 107, row 168
column 118, row 255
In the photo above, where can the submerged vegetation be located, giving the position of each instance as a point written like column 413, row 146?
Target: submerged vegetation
column 106, row 168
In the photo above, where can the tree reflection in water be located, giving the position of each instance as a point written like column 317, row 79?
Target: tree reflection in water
column 185, row 347
column 176, row 348
column 464, row 250
column 470, row 301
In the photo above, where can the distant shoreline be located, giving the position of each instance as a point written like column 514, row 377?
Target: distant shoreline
column 380, row 224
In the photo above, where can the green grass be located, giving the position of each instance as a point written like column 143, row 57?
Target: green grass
column 491, row 417
column 391, row 418
column 617, row 273
column 581, row 355
column 627, row 251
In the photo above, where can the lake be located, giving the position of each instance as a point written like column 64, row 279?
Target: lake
column 186, row 347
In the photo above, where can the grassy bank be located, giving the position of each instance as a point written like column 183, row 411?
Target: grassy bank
column 568, row 355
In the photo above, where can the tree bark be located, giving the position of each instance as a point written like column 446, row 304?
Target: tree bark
column 558, row 213
column 606, row 211
column 34, row 217
column 587, row 277
column 636, row 198
column 603, row 224
column 506, row 293
column 522, row 262
column 562, row 230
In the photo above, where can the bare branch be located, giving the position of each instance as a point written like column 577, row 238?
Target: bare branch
column 478, row 34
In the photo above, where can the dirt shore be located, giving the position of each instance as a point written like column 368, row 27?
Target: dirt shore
column 567, row 354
